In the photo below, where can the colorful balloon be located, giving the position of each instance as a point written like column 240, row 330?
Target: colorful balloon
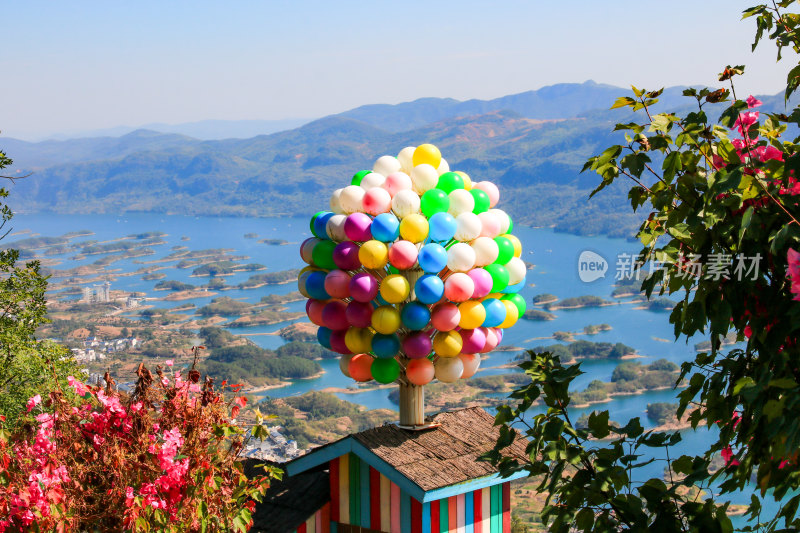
column 466, row 178
column 442, row 227
column 490, row 225
column 495, row 312
column 518, row 301
column 414, row 228
column 372, row 180
column 515, row 242
column 359, row 314
column 307, row 249
column 415, row 316
column 482, row 280
column 314, row 311
column 468, row 227
column 386, row 319
column 386, row 164
column 385, row 227
column 420, row 372
column 516, row 270
column 319, row 224
column 428, row 289
column 481, row 201
column 490, row 189
column 335, row 228
column 360, row 367
column 417, row 345
column 426, row 154
column 335, row 204
column 396, row 182
column 406, row 158
column 315, row 285
column 472, row 314
column 345, row 255
column 447, row 343
column 405, row 203
column 461, row 201
column 358, row 176
column 322, row 255
column 443, row 167
column 447, row 369
column 471, row 362
column 449, row 182
column 432, row 258
column 351, row 199
column 424, row 178
column 499, row 275
column 486, row 251
column 324, row 337
column 445, row 316
column 356, row 227
column 434, row 201
column 459, row 287
column 512, row 315
column 363, row 287
column 505, row 220
column 505, row 249
column 377, row 200
column 344, row 364
column 333, row 315
column 403, row 255
column 337, row 284
column 394, row 289
column 373, row 254
column 384, row 345
column 338, row 343
column 472, row 340
column 460, row 257
column 385, row 370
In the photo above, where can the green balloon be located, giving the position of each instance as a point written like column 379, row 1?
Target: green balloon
column 311, row 223
column 481, row 201
column 510, row 224
column 499, row 275
column 518, row 300
column 506, row 250
column 322, row 255
column 450, row 181
column 359, row 176
column 385, row 370
column 434, row 201
column 392, row 270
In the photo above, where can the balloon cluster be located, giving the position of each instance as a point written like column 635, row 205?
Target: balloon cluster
column 412, row 273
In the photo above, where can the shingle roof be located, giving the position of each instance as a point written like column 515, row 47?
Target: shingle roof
column 441, row 456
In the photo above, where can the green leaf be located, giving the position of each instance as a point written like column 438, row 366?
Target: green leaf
column 623, row 101
column 743, row 383
column 746, row 218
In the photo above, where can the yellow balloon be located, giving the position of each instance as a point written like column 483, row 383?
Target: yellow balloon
column 516, row 243
column 427, row 154
column 472, row 314
column 373, row 254
column 301, row 283
column 466, row 178
column 354, row 340
column 413, row 227
column 447, row 343
column 512, row 315
column 395, row 288
column 386, row 319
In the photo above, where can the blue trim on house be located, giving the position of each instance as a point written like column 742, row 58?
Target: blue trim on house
column 469, row 486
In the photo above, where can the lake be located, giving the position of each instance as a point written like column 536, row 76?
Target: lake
column 555, row 271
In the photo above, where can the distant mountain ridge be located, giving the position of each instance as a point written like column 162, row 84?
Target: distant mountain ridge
column 532, row 145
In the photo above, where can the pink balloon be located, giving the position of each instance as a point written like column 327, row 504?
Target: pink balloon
column 490, row 189
column 473, row 340
column 482, row 280
column 314, row 311
column 359, row 314
column 397, row 181
column 417, row 345
column 337, row 342
column 345, row 255
column 458, row 287
column 490, row 224
column 403, row 255
column 377, row 200
column 492, row 340
column 363, row 287
column 337, row 284
column 333, row 316
column 445, row 316
column 356, row 227
column 471, row 363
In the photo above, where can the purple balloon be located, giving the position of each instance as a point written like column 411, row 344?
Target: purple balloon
column 363, row 287
column 483, row 282
column 359, row 314
column 473, row 340
column 337, row 342
column 345, row 255
column 356, row 227
column 333, row 315
column 417, row 345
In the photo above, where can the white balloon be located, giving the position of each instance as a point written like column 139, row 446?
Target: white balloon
column 468, row 227
column 405, row 203
column 373, row 179
column 460, row 257
column 385, row 165
column 336, row 205
column 505, row 220
column 344, row 364
column 335, row 228
column 448, row 369
column 461, row 201
column 443, row 167
column 424, row 177
column 351, row 199
column 486, row 251
column 516, row 270
column 397, row 181
column 490, row 224
column 406, row 158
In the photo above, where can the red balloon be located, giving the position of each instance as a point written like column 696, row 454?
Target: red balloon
column 337, row 342
column 360, row 367
column 445, row 316
column 337, row 284
column 314, row 311
column 417, row 345
column 420, row 371
column 333, row 315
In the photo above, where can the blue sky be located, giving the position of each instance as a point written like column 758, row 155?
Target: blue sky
column 83, row 65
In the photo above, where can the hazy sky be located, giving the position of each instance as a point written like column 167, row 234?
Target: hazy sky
column 70, row 66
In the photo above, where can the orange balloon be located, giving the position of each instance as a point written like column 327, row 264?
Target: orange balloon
column 360, row 367
column 420, row 371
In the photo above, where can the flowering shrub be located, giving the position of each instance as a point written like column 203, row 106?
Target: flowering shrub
column 720, row 232
column 163, row 458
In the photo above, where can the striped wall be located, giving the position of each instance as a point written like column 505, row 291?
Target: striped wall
column 319, row 522
column 363, row 497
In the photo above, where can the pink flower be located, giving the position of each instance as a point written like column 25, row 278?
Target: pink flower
column 745, row 120
column 752, row 102
column 793, row 258
column 727, row 455
column 169, row 362
column 33, row 402
column 80, row 388
column 129, row 496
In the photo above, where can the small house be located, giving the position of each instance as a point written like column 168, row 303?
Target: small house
column 394, row 480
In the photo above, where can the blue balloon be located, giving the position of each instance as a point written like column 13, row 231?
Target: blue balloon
column 321, row 224
column 442, row 227
column 380, row 300
column 429, row 289
column 385, row 346
column 385, row 227
column 324, row 337
column 432, row 257
column 514, row 289
column 415, row 316
column 315, row 285
column 495, row 312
